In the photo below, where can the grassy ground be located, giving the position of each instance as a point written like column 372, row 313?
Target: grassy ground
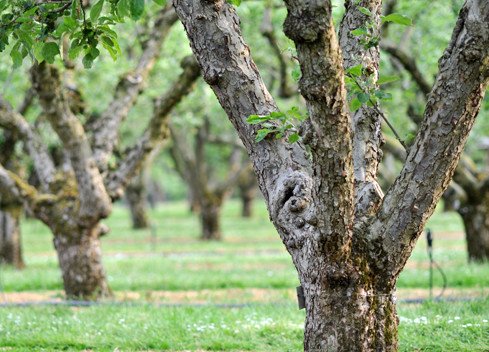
column 151, row 270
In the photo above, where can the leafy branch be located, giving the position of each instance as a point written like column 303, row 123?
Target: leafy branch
column 279, row 124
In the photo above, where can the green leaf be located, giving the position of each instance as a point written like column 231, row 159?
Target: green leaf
column 261, row 134
column 160, row 2
column 49, row 51
column 397, row 18
column 363, row 97
column 137, row 9
column 355, row 70
column 294, row 137
column 355, row 104
column 387, row 79
column 96, row 10
column 365, row 11
column 123, row 8
column 256, row 119
column 16, row 56
column 359, row 31
column 235, row 2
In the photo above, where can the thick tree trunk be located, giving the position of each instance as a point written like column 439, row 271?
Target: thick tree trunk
column 349, row 319
column 476, row 223
column 210, row 217
column 10, row 241
column 347, row 308
column 136, row 198
column 80, row 260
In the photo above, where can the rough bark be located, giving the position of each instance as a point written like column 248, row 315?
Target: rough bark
column 136, row 198
column 94, row 200
column 80, row 260
column 366, row 121
column 10, row 240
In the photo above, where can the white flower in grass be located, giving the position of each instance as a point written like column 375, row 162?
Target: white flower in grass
column 450, row 321
column 484, row 320
column 457, row 318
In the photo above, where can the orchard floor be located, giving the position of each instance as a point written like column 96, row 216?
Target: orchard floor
column 173, row 292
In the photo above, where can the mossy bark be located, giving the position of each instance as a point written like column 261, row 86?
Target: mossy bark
column 80, row 260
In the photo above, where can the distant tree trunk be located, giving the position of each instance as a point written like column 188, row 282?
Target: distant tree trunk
column 80, row 260
column 476, row 222
column 194, row 205
column 136, row 198
column 10, row 240
column 247, row 191
column 210, row 215
column 247, row 198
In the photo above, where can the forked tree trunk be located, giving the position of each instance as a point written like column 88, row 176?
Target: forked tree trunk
column 80, row 260
column 10, row 241
column 210, row 217
column 136, row 198
column 476, row 223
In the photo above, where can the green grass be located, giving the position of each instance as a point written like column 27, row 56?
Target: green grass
column 172, row 258
column 427, row 327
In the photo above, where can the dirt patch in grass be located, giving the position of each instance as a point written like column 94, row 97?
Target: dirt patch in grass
column 222, row 296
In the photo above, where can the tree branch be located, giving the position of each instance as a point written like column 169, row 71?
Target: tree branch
column 283, row 169
column 43, row 164
column 106, row 128
column 367, row 133
column 94, row 201
column 156, row 133
column 310, row 26
column 452, row 107
column 267, row 30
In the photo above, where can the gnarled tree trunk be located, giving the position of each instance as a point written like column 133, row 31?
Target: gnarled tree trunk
column 80, row 260
column 210, row 217
column 476, row 223
column 10, row 240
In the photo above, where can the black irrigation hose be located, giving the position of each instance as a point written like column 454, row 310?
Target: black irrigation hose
column 429, row 242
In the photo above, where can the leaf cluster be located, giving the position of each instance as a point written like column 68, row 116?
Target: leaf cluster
column 279, row 124
column 35, row 29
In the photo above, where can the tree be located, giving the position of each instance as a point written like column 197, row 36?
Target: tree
column 72, row 201
column 348, row 240
column 211, row 182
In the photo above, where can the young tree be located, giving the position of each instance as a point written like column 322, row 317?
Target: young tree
column 348, row 240
column 73, row 201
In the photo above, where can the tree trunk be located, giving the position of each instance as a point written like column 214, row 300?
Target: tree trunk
column 247, row 199
column 350, row 306
column 476, row 223
column 136, row 198
column 349, row 319
column 10, row 241
column 80, row 260
column 210, row 214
